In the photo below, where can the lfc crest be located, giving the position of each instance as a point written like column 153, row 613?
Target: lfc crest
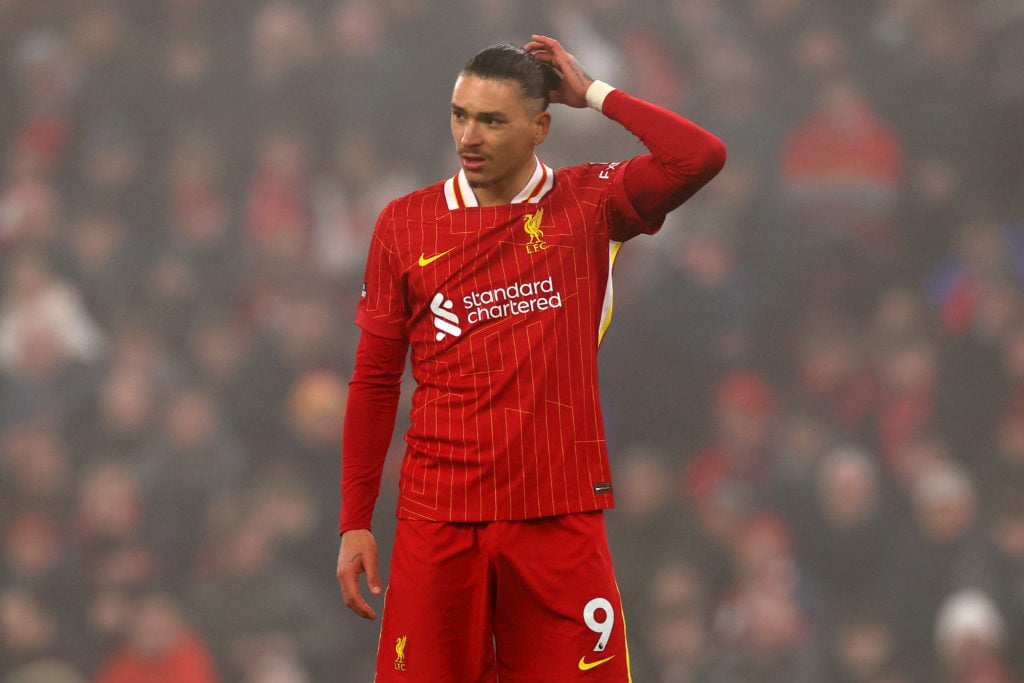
column 531, row 225
column 400, row 653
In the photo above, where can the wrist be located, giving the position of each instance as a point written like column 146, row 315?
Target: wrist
column 596, row 93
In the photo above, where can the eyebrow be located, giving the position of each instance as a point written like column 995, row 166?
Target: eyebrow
column 482, row 115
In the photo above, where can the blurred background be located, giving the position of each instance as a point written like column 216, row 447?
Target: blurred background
column 814, row 385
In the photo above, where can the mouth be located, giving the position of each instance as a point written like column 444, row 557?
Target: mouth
column 472, row 162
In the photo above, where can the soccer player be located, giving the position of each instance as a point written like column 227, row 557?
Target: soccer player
column 499, row 282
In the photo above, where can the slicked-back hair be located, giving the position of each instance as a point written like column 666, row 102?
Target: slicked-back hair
column 509, row 62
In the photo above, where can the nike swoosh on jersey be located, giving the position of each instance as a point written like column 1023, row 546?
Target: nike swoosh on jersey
column 427, row 260
column 587, row 666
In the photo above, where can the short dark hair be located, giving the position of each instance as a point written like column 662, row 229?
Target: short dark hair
column 509, row 62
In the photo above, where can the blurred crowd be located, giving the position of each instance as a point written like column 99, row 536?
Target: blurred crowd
column 814, row 386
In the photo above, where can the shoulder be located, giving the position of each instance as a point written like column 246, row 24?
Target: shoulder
column 594, row 174
column 423, row 203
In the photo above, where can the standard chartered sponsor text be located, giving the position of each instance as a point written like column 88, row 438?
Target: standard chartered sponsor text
column 515, row 299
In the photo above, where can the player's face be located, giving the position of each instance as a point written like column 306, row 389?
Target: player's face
column 496, row 129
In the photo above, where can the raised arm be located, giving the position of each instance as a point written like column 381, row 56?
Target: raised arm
column 683, row 156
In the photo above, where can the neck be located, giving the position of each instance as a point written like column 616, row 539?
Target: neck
column 499, row 193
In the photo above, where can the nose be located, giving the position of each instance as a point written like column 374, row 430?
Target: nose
column 470, row 135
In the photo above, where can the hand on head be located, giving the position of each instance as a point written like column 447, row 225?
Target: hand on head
column 572, row 90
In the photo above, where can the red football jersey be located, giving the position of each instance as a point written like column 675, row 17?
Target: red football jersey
column 504, row 308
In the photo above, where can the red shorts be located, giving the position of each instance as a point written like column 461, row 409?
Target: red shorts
column 517, row 602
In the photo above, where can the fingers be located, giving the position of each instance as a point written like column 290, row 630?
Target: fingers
column 544, row 48
column 348, row 578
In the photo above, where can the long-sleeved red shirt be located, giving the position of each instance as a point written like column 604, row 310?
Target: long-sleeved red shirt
column 504, row 308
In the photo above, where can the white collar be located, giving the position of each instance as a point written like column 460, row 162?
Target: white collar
column 459, row 194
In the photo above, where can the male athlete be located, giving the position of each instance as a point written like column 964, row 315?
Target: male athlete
column 499, row 281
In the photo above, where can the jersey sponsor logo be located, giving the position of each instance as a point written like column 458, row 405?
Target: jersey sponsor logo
column 446, row 322
column 587, row 666
column 519, row 298
column 531, row 225
column 606, row 173
column 400, row 653
column 427, row 260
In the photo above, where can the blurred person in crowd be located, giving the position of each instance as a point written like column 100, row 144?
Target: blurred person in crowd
column 841, row 168
column 987, row 254
column 359, row 56
column 29, row 629
column 766, row 623
column 1002, row 25
column 650, row 521
column 738, row 447
column 282, row 82
column 102, row 258
column 109, row 504
column 30, row 209
column 907, row 395
column 135, row 346
column 124, row 417
column 297, row 330
column 676, row 646
column 193, row 459
column 862, row 646
column 31, row 553
column 939, row 550
column 220, row 351
column 191, row 73
column 200, row 225
column 775, row 24
column 108, row 548
column 923, row 449
column 973, row 385
column 158, row 646
column 942, row 71
column 38, row 303
column 970, row 634
column 106, row 534
column 250, row 600
column 842, row 543
column 543, row 624
column 114, row 169
column 50, row 346
column 359, row 181
column 284, row 496
column 696, row 314
column 833, row 374
column 900, row 312
column 1004, row 462
column 45, row 74
column 278, row 215
column 801, row 439
column 1006, row 552
column 931, row 211
column 720, row 517
column 1012, row 365
column 36, row 468
column 312, row 432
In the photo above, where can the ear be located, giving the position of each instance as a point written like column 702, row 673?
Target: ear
column 541, row 126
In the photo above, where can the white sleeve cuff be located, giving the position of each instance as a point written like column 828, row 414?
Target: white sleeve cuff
column 596, row 93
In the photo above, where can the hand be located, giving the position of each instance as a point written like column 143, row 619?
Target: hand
column 358, row 555
column 572, row 91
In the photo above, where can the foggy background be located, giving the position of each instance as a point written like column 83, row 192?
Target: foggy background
column 814, row 381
